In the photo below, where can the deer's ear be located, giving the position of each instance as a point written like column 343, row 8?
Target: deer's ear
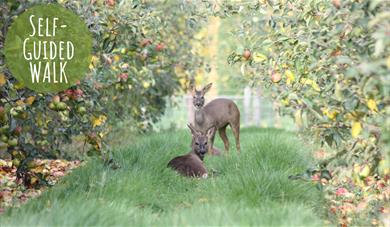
column 193, row 89
column 211, row 131
column 193, row 130
column 206, row 88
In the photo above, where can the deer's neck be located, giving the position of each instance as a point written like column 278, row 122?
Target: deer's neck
column 199, row 116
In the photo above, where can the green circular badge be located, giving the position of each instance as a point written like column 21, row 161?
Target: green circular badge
column 48, row 48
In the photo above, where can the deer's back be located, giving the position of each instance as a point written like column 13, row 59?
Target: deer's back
column 222, row 111
column 188, row 165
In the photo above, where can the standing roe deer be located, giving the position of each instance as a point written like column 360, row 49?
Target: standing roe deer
column 191, row 164
column 219, row 113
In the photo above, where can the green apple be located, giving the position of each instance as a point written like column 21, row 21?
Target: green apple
column 364, row 171
column 13, row 142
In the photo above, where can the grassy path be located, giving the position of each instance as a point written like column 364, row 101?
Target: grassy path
column 250, row 189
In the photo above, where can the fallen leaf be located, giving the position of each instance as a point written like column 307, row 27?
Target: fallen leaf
column 2, row 79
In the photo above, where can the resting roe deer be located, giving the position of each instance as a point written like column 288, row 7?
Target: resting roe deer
column 191, row 164
column 219, row 113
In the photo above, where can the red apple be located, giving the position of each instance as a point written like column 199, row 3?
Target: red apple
column 18, row 130
column 65, row 98
column 78, row 92
column 247, row 54
column 336, row 3
column 146, row 42
column 160, row 47
column 123, row 76
column 56, row 98
column 69, row 92
column 315, row 177
column 110, row 2
column 276, row 77
column 341, row 191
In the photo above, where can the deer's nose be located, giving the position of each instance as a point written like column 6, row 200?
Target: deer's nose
column 203, row 150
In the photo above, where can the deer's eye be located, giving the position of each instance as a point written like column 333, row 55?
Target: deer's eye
column 202, row 98
column 205, row 143
column 196, row 143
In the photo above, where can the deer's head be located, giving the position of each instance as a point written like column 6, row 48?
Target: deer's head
column 200, row 141
column 198, row 96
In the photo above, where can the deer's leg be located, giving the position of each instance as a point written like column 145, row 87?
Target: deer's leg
column 236, row 133
column 222, row 134
column 211, row 145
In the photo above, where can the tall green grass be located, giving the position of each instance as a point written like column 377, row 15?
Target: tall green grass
column 247, row 189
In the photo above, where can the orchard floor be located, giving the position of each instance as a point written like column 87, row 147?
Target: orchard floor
column 249, row 189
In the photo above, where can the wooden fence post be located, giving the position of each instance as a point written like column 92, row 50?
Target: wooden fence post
column 247, row 103
column 256, row 106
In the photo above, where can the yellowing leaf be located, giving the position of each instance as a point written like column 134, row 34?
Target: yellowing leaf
column 117, row 58
column 94, row 61
column 350, row 116
column 311, row 83
column 183, row 82
column 4, row 163
column 20, row 103
column 316, row 87
column 331, row 114
column 38, row 169
column 285, row 102
column 97, row 121
column 33, row 180
column 371, row 104
column 306, row 81
column 30, row 100
column 290, row 76
column 19, row 85
column 258, row 57
column 356, row 129
column 2, row 79
column 101, row 134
